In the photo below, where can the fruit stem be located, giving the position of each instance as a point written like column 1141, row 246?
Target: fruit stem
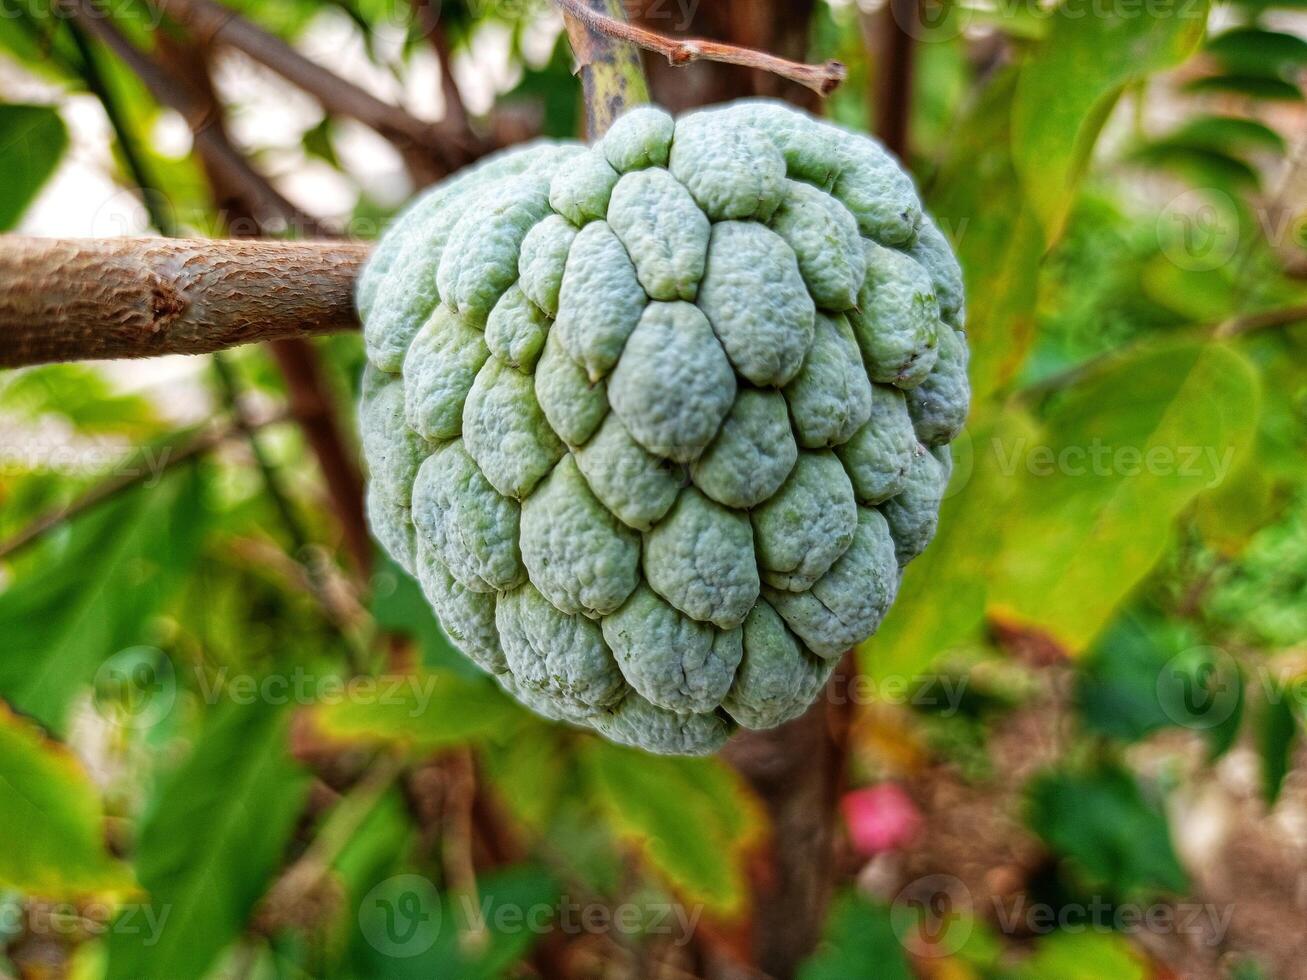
column 612, row 74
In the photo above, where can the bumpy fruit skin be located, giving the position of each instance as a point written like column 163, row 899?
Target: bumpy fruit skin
column 658, row 423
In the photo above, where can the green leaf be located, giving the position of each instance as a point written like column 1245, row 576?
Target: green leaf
column 398, row 606
column 529, row 772
column 1100, row 822
column 1228, row 133
column 1277, row 734
column 93, row 593
column 50, row 813
column 957, row 563
column 1070, row 82
column 1200, row 165
column 978, row 201
column 1123, row 452
column 1256, row 50
column 424, row 710
column 1083, row 956
column 1146, row 673
column 693, row 819
column 212, row 842
column 32, row 139
column 408, row 931
column 83, row 396
column 1117, row 682
column 858, row 941
column 1252, row 86
column 317, row 142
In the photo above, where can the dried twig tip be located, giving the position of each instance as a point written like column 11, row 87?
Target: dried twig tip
column 822, row 79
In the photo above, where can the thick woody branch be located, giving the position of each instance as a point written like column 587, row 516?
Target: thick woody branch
column 822, row 79
column 140, row 297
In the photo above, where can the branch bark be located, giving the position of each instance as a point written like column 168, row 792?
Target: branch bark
column 141, row 297
column 893, row 97
column 311, row 400
column 822, row 79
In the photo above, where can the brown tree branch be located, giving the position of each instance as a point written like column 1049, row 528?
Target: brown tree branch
column 210, row 141
column 822, row 79
column 311, row 401
column 893, row 95
column 427, row 15
column 140, row 297
column 430, row 150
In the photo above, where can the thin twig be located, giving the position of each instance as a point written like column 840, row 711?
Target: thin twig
column 339, row 828
column 271, row 206
column 1264, row 320
column 822, row 79
column 431, row 151
column 142, row 469
column 427, row 15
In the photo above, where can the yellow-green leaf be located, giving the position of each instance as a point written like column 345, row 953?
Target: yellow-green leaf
column 51, row 819
column 1070, row 82
column 693, row 819
column 957, row 563
column 1122, row 453
column 424, row 710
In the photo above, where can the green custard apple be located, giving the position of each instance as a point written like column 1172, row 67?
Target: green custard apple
column 657, row 423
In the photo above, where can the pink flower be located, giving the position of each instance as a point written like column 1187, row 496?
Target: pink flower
column 880, row 818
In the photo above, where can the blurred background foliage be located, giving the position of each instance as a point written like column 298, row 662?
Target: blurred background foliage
column 228, row 751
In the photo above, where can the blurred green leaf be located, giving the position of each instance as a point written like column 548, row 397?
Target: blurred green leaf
column 1070, row 82
column 94, row 592
column 977, row 199
column 1257, row 50
column 317, row 142
column 529, row 772
column 1123, row 452
column 1228, row 133
column 1252, row 86
column 1200, row 165
column 553, row 87
column 1082, row 956
column 211, row 842
column 858, row 941
column 410, row 932
column 32, row 140
column 957, row 564
column 1117, row 682
column 51, row 816
column 1099, row 820
column 692, row 818
column 423, row 710
column 1147, row 672
column 398, row 606
column 1277, row 734
column 81, row 395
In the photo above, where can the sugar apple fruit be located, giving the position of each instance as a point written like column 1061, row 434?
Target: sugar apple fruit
column 657, row 423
